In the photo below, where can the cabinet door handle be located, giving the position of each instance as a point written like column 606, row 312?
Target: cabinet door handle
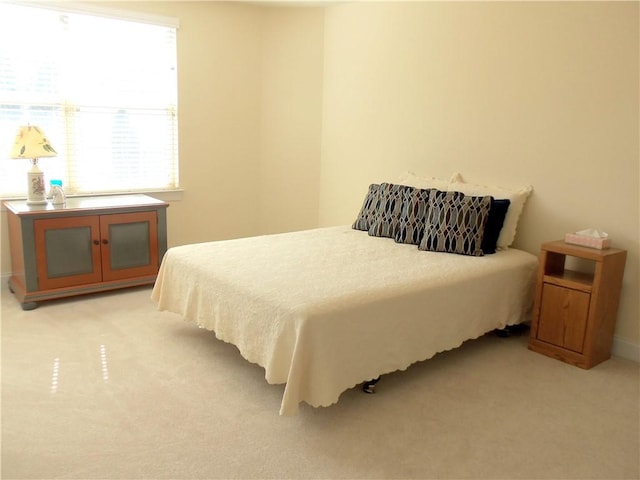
column 105, row 241
column 96, row 242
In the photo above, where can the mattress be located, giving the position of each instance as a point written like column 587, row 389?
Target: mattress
column 323, row 310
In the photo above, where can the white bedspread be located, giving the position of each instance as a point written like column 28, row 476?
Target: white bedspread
column 326, row 309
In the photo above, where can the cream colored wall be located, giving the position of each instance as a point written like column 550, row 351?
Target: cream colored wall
column 5, row 256
column 250, row 114
column 510, row 93
column 287, row 114
column 219, row 88
column 291, row 119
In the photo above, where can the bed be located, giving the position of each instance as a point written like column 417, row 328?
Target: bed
column 326, row 309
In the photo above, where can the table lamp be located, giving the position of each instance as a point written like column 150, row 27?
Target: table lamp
column 32, row 143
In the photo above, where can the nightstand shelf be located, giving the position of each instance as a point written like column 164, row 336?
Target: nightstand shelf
column 571, row 279
column 575, row 312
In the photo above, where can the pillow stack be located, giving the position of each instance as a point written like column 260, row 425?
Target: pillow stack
column 443, row 216
column 514, row 198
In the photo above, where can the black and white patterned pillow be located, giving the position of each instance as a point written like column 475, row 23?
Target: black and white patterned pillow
column 456, row 225
column 388, row 210
column 368, row 210
column 414, row 213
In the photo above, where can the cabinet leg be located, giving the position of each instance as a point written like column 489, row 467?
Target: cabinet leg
column 29, row 306
column 24, row 305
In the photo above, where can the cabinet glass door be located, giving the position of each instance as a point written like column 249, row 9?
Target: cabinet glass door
column 129, row 245
column 67, row 251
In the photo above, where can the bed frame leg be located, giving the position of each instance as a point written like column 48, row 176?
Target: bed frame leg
column 370, row 386
column 510, row 330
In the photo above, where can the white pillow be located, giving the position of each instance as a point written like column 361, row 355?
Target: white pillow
column 412, row 180
column 517, row 197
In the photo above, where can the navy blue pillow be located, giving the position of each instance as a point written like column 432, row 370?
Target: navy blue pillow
column 497, row 212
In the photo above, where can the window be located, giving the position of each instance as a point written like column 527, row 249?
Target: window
column 103, row 89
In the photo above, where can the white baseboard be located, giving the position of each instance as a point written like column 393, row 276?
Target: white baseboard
column 625, row 349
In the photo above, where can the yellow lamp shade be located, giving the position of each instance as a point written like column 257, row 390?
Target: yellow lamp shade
column 31, row 142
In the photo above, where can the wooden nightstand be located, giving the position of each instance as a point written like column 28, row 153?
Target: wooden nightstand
column 575, row 313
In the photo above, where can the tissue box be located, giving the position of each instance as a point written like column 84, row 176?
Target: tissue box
column 585, row 241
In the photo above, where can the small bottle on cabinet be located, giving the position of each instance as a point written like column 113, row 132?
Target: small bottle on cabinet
column 57, row 193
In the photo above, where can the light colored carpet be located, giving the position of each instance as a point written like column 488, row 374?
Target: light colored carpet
column 104, row 386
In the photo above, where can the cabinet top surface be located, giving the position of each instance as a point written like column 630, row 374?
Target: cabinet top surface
column 560, row 246
column 72, row 204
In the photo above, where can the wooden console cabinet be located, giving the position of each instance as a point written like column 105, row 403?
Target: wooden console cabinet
column 575, row 313
column 88, row 245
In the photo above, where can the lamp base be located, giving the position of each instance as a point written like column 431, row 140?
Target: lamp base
column 35, row 185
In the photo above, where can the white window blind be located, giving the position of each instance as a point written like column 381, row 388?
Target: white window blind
column 103, row 89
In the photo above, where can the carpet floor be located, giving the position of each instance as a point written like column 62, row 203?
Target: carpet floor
column 106, row 387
